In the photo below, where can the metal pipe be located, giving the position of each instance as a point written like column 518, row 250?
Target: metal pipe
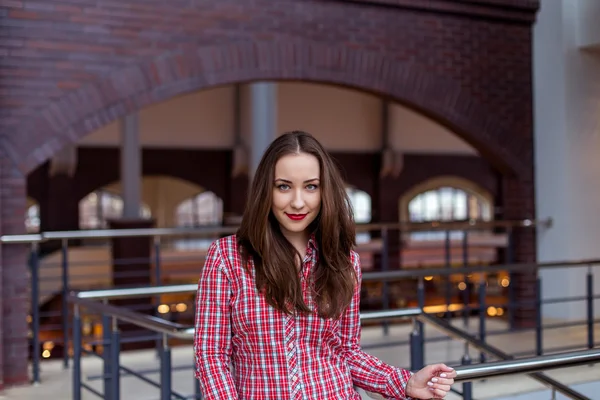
column 115, row 370
column 183, row 331
column 467, row 373
column 385, row 266
column 35, row 312
column 135, row 292
column 367, row 276
column 527, row 365
column 401, row 313
column 456, row 333
column 143, row 320
column 77, row 344
column 491, row 269
column 219, row 230
column 590, row 307
column 64, row 303
column 165, row 371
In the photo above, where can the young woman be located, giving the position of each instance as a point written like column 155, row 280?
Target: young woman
column 278, row 303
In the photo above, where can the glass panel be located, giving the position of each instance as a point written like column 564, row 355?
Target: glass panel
column 432, row 208
column 415, row 209
column 460, row 205
column 446, row 197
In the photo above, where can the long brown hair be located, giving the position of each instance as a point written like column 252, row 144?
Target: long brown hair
column 260, row 239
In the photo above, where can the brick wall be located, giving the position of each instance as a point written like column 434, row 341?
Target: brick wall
column 69, row 68
column 14, row 275
column 4, row 164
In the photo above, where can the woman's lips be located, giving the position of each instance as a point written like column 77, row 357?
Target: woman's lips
column 296, row 217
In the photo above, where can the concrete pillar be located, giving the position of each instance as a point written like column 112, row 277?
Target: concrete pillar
column 263, row 117
column 132, row 265
column 567, row 139
column 131, row 166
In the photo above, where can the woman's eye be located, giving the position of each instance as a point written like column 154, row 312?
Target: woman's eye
column 312, row 187
column 283, row 187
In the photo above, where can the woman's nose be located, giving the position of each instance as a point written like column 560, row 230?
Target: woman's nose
column 298, row 201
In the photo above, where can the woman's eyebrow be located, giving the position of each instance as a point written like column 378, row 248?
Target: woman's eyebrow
column 288, row 181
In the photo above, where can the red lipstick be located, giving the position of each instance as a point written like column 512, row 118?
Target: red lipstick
column 296, row 217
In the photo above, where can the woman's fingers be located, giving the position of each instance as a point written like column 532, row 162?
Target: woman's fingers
column 443, row 381
column 439, row 390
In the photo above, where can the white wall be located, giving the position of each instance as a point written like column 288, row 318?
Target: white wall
column 415, row 133
column 567, row 144
column 343, row 119
column 340, row 118
column 588, row 25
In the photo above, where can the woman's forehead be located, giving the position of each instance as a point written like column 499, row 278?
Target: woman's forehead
column 297, row 167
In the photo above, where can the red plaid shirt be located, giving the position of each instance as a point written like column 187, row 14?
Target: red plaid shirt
column 273, row 355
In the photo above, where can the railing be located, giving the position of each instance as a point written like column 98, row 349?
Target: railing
column 95, row 301
column 384, row 240
column 384, row 243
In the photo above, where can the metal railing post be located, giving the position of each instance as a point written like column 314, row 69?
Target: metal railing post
column 482, row 314
column 421, row 303
column 416, row 347
column 65, row 307
column 511, row 286
column 35, row 311
column 115, row 370
column 590, row 307
column 538, row 319
column 158, row 281
column 466, row 292
column 447, row 256
column 165, row 370
column 385, row 265
column 467, row 386
column 77, row 342
column 106, row 352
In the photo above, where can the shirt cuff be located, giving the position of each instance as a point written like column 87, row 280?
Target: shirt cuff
column 397, row 384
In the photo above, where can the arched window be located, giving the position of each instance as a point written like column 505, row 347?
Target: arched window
column 98, row 207
column 201, row 210
column 32, row 219
column 446, row 200
column 361, row 207
column 204, row 209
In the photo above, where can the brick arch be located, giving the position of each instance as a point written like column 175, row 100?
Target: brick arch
column 129, row 89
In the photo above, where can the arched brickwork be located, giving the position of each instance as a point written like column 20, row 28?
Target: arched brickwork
column 128, row 89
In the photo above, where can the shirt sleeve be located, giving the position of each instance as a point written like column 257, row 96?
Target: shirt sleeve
column 212, row 334
column 368, row 372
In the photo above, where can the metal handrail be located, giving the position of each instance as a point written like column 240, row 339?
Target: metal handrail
column 155, row 324
column 217, row 230
column 444, row 271
column 159, row 325
column 468, row 373
column 366, row 276
column 456, row 333
column 509, row 366
column 124, row 293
